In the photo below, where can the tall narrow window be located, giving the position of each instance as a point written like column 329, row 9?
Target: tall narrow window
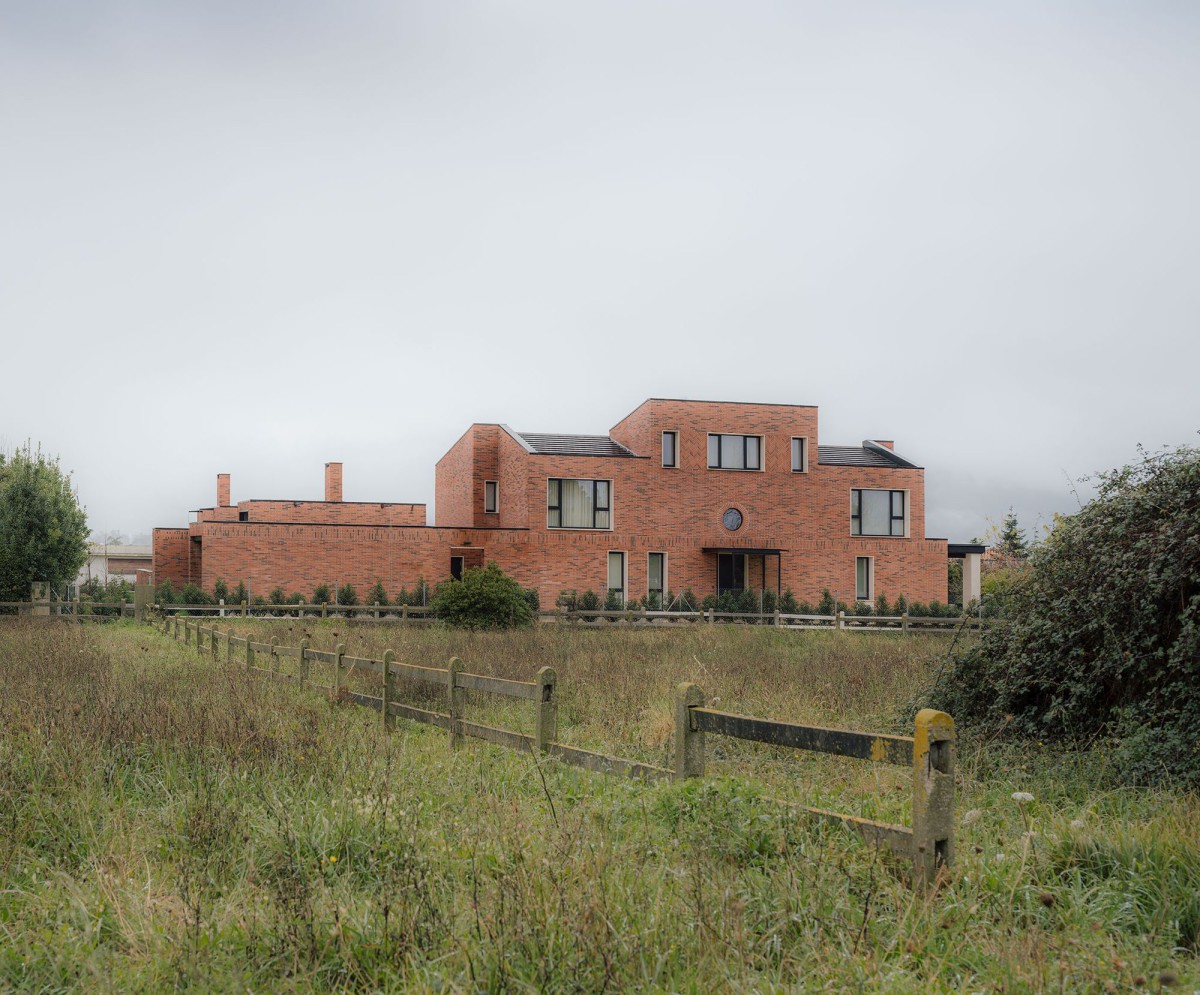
column 456, row 567
column 735, row 452
column 616, row 577
column 878, row 513
column 670, row 449
column 489, row 497
column 863, row 579
column 656, row 580
column 799, row 455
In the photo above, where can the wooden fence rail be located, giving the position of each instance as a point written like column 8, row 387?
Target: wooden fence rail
column 928, row 843
column 405, row 615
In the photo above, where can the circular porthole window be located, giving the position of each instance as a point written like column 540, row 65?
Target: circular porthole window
column 732, row 519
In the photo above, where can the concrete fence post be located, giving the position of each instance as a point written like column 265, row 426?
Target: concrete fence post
column 376, row 604
column 904, row 620
column 841, row 619
column 454, row 700
column 775, row 621
column 245, row 608
column 933, row 795
column 274, row 654
column 545, row 719
column 324, row 609
column 404, row 614
column 339, row 652
column 689, row 741
column 389, row 690
column 304, row 662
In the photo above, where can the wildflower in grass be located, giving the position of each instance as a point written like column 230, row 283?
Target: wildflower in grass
column 972, row 816
column 1020, row 797
column 1078, row 824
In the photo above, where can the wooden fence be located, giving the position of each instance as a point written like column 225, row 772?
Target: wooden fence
column 928, row 843
column 414, row 615
column 80, row 611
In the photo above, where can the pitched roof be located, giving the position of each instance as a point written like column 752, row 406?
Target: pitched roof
column 868, row 454
column 541, row 443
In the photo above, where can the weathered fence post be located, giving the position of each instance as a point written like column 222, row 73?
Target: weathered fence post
column 229, row 646
column 274, row 654
column 324, row 609
column 545, row 719
column 454, row 699
column 249, row 652
column 199, row 639
column 389, row 689
column 933, row 794
column 689, row 741
column 904, row 620
column 214, row 644
column 841, row 619
column 303, row 662
column 404, row 614
column 245, row 608
column 339, row 651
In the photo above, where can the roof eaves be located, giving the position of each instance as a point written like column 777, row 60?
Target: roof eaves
column 872, row 446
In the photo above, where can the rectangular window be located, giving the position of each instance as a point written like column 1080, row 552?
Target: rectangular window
column 735, row 452
column 670, row 449
column 456, row 567
column 864, row 578
column 578, row 504
column 656, row 579
column 799, row 455
column 877, row 513
column 616, row 577
column 490, row 491
column 243, row 516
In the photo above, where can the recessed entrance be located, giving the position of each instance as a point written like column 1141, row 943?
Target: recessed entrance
column 731, row 573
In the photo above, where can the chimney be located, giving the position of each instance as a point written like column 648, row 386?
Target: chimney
column 222, row 490
column 333, row 481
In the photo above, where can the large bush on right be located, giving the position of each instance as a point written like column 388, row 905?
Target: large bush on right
column 1103, row 637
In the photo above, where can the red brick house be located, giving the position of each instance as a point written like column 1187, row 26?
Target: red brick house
column 705, row 495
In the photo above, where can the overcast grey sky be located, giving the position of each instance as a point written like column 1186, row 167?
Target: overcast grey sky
column 251, row 237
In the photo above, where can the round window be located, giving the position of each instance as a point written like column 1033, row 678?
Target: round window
column 732, row 519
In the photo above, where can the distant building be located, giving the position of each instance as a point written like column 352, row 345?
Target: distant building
column 712, row 496
column 112, row 560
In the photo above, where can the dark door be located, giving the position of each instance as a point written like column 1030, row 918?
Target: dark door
column 731, row 573
column 456, row 567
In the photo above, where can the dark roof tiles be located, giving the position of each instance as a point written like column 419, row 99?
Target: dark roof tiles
column 572, row 445
column 864, row 455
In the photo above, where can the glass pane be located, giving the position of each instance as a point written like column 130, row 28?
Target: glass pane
column 655, row 582
column 668, row 452
column 862, row 571
column 897, row 513
column 601, row 519
column 577, row 504
column 733, row 456
column 714, row 442
column 616, row 571
column 876, row 513
column 797, row 462
column 752, row 443
column 601, row 494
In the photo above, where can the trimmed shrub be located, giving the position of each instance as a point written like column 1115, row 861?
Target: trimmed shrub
column 276, row 597
column 485, row 598
column 322, row 595
column 346, row 595
column 193, row 595
column 377, row 595
column 588, row 601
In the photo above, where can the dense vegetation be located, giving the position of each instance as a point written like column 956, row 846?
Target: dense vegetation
column 1102, row 635
column 43, row 530
column 173, row 823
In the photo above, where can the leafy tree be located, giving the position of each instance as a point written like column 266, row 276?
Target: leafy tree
column 1103, row 637
column 43, row 530
column 485, row 598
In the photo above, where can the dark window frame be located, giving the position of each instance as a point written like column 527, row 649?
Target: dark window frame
column 492, row 507
column 662, row 577
column 745, row 449
column 556, row 508
column 895, row 497
column 674, row 463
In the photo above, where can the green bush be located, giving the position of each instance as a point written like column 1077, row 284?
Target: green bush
column 485, row 598
column 322, row 595
column 239, row 593
column 1102, row 638
column 346, row 595
column 295, row 598
column 277, row 596
column 165, row 594
column 377, row 595
column 193, row 595
column 613, row 602
column 588, row 601
column 220, row 590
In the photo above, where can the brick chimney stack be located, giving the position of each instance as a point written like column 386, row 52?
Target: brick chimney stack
column 222, row 490
column 333, row 481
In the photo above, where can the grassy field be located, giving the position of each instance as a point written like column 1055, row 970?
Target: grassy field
column 167, row 822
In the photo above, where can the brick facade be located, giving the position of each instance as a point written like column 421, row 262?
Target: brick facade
column 797, row 524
